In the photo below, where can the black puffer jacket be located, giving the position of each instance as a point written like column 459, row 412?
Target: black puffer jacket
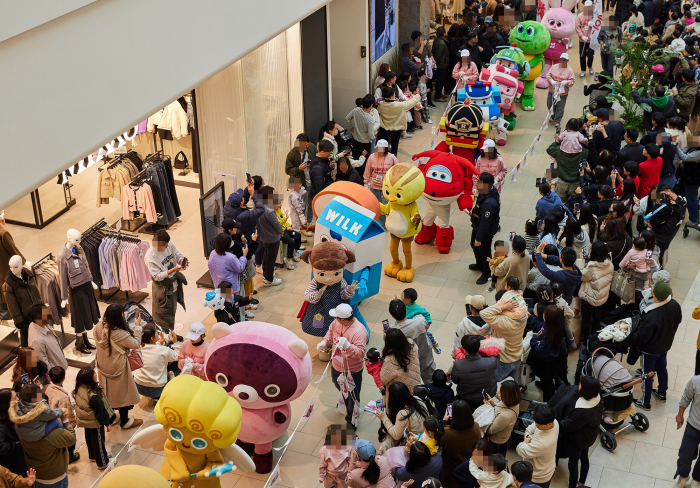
column 21, row 294
column 657, row 328
column 472, row 375
column 666, row 222
column 582, row 427
column 690, row 157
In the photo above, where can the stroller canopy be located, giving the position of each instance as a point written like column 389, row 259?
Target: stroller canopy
column 605, row 368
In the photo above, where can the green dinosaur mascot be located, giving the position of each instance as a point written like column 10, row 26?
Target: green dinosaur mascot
column 533, row 38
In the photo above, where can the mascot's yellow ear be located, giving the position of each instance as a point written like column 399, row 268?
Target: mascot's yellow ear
column 133, row 476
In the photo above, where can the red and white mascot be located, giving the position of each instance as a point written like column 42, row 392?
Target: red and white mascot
column 448, row 173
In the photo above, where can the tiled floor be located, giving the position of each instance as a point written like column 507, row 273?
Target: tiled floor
column 642, row 460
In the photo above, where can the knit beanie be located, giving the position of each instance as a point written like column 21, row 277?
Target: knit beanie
column 661, row 275
column 661, row 290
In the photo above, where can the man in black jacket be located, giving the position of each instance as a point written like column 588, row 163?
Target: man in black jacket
column 321, row 169
column 441, row 54
column 653, row 338
column 634, row 149
column 666, row 222
column 485, row 219
column 614, row 129
column 474, row 373
column 346, row 172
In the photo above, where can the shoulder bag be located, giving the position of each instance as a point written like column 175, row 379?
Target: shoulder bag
column 134, row 358
column 622, row 284
column 181, row 161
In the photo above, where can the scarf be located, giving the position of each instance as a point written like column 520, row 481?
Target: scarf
column 660, row 101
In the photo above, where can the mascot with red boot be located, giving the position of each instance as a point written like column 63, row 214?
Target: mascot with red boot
column 448, row 173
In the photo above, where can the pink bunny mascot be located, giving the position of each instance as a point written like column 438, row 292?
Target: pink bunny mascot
column 560, row 23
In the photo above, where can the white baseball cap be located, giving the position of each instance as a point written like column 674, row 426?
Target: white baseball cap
column 588, row 3
column 196, row 331
column 342, row 311
column 464, row 53
column 382, row 143
column 488, row 143
column 564, row 56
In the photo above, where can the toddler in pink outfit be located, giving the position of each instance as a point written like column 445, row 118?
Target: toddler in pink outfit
column 335, row 457
column 636, row 259
column 570, row 140
column 194, row 347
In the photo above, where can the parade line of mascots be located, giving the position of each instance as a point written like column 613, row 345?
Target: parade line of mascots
column 255, row 369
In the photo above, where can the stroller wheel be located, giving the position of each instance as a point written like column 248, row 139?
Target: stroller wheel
column 608, row 441
column 640, row 422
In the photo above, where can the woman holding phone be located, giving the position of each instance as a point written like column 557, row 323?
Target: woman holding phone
column 156, row 356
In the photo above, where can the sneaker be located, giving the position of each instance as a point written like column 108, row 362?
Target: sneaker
column 131, row 423
column 432, row 105
column 251, row 307
column 662, row 398
column 274, row 282
column 640, row 403
column 473, row 267
column 289, row 263
column 491, row 288
column 420, row 127
column 407, row 135
column 249, row 314
column 305, row 233
column 74, row 458
column 258, row 269
column 582, row 75
column 590, row 70
column 297, row 257
column 304, row 241
column 483, row 279
column 301, row 249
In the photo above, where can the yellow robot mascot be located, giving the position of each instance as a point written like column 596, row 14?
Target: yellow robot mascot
column 198, row 426
column 403, row 185
column 133, row 476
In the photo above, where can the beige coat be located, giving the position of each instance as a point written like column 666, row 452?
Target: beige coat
column 508, row 326
column 414, row 424
column 392, row 115
column 595, row 282
column 391, row 371
column 513, row 265
column 59, row 398
column 113, row 370
column 503, row 423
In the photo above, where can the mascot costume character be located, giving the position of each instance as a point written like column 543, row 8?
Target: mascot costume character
column 264, row 367
column 133, row 476
column 198, row 424
column 402, row 186
column 328, row 288
column 486, row 95
column 506, row 67
column 533, row 39
column 448, row 175
column 560, row 23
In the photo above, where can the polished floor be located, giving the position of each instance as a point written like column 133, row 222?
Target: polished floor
column 641, row 460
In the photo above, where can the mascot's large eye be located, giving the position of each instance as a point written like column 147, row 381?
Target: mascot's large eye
column 325, row 238
column 336, row 273
column 551, row 22
column 222, row 379
column 440, row 173
column 560, row 23
column 199, row 443
column 386, row 192
column 272, row 390
column 176, row 435
column 521, row 29
column 322, row 274
column 530, row 31
column 398, row 196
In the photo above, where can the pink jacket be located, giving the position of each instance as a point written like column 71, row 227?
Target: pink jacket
column 494, row 166
column 141, row 200
column 376, row 166
column 187, row 350
column 357, row 467
column 356, row 334
column 334, row 461
column 566, row 76
column 638, row 260
column 582, row 28
column 470, row 71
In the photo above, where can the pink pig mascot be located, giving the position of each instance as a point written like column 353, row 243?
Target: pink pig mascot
column 264, row 367
column 560, row 23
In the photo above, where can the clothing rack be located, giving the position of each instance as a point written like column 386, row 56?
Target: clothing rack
column 66, row 337
column 41, row 260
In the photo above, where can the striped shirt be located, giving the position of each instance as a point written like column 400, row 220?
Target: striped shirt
column 362, row 125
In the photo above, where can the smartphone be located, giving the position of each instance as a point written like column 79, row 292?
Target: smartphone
column 24, row 379
column 634, row 78
column 385, row 324
column 576, row 207
column 380, row 405
column 449, row 410
column 540, row 226
column 538, row 181
column 663, row 198
column 511, row 235
column 595, row 77
column 184, row 262
column 649, row 254
column 584, row 252
column 558, row 130
column 552, row 165
column 483, row 394
column 406, row 433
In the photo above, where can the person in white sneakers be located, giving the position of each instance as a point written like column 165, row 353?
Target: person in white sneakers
column 540, row 445
column 688, row 452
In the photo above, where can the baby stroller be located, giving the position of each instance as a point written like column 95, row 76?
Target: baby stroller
column 616, row 384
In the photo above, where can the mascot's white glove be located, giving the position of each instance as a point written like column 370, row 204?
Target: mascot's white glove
column 585, row 39
column 552, row 82
column 321, row 345
column 463, row 76
column 343, row 343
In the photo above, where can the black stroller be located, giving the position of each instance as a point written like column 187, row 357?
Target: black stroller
column 616, row 385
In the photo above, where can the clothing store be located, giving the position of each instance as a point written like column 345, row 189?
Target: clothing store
column 85, row 233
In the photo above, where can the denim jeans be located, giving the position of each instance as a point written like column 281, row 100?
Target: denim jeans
column 668, row 180
column 269, row 259
column 504, row 370
column 349, row 401
column 657, row 363
column 585, row 54
column 691, row 196
column 307, row 207
column 59, row 484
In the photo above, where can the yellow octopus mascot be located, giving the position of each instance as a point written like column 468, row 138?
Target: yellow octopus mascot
column 402, row 186
column 199, row 424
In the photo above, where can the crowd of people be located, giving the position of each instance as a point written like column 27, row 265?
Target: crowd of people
column 595, row 249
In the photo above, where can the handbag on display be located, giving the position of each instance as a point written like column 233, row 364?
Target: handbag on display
column 181, row 161
column 4, row 312
column 135, row 360
column 623, row 285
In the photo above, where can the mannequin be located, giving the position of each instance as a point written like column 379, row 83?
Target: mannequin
column 76, row 283
column 20, row 292
column 7, row 250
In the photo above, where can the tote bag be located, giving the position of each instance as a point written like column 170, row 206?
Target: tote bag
column 623, row 286
column 134, row 358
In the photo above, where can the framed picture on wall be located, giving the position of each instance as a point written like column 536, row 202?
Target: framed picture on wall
column 211, row 209
column 382, row 27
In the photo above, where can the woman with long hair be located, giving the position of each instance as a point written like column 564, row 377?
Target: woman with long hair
column 619, row 242
column 548, row 347
column 93, row 413
column 400, row 356
column 115, row 342
column 27, row 364
column 596, row 278
column 403, row 410
column 11, row 452
column 328, row 131
column 506, row 408
column 458, row 441
column 383, row 69
column 224, row 266
column 368, row 469
column 550, row 232
column 574, row 236
column 588, row 222
column 421, row 465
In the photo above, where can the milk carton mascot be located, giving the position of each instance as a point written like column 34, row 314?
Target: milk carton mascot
column 560, row 23
column 264, row 367
column 533, row 39
column 402, row 186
